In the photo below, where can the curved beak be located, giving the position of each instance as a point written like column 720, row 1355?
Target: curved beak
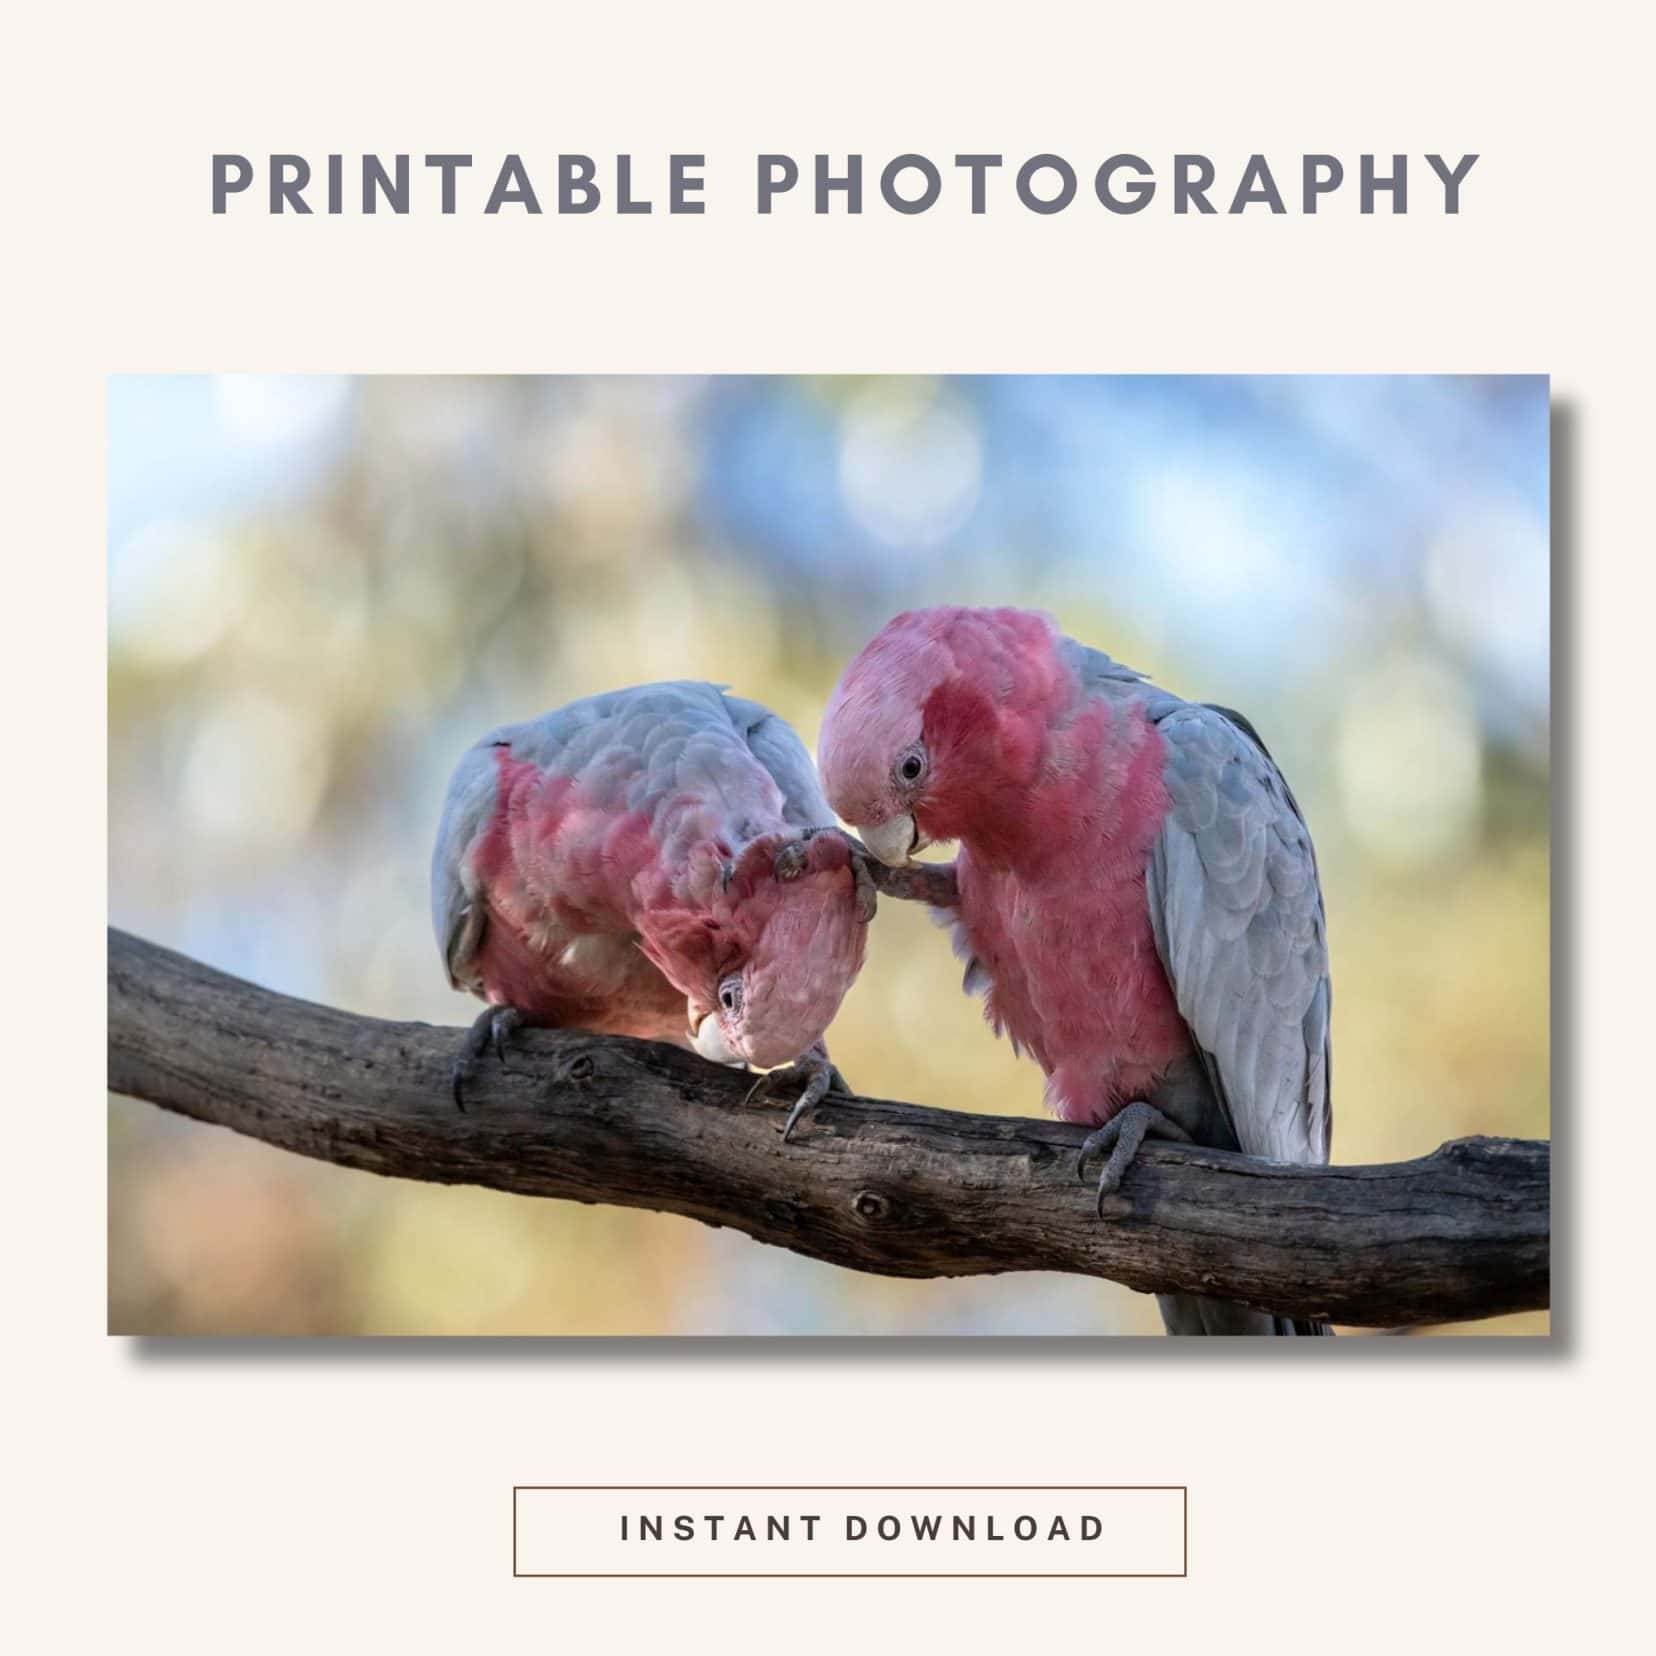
column 893, row 840
column 709, row 1040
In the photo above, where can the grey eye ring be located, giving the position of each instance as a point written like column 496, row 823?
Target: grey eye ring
column 730, row 995
column 910, row 767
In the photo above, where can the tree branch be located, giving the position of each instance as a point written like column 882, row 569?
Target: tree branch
column 868, row 1185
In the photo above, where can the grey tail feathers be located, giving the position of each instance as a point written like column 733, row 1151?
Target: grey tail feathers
column 1194, row 1314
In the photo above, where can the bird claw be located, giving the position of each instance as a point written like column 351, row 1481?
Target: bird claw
column 864, row 878
column 491, row 1028
column 867, row 887
column 792, row 859
column 1118, row 1140
column 821, row 1078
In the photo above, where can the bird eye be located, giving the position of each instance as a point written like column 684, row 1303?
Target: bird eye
column 910, row 767
column 730, row 995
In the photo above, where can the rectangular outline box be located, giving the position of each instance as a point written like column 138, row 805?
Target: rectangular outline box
column 855, row 1575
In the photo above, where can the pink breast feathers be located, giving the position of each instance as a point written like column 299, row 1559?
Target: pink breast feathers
column 1064, row 932
column 558, row 873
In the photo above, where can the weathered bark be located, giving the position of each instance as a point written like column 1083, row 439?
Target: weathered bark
column 869, row 1185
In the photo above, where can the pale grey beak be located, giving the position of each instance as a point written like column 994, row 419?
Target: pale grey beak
column 892, row 840
column 710, row 1042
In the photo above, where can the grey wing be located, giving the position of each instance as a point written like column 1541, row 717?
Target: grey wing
column 1237, row 912
column 776, row 745
column 458, row 915
column 603, row 738
column 570, row 739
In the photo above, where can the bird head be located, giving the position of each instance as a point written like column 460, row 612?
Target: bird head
column 766, row 961
column 939, row 723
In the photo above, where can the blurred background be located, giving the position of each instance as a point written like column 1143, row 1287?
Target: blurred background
column 322, row 590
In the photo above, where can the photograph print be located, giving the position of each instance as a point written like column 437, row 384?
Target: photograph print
column 990, row 855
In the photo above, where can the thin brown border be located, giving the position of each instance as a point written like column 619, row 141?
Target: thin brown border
column 851, row 1575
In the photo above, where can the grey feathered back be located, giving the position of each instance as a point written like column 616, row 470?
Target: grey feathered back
column 572, row 739
column 1237, row 912
column 776, row 745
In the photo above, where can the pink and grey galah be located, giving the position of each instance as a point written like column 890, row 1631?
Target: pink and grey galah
column 649, row 862
column 1135, row 889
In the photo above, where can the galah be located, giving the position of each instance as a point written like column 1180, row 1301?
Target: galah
column 1135, row 888
column 649, row 862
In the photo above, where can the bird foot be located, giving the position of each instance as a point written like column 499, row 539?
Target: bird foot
column 934, row 884
column 1118, row 1140
column 819, row 1077
column 867, row 886
column 491, row 1029
column 931, row 883
column 793, row 858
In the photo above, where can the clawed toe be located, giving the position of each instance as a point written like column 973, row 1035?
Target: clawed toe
column 791, row 860
column 1096, row 1143
column 868, row 893
column 505, row 1020
column 1103, row 1142
column 819, row 1077
column 864, row 880
column 802, row 1104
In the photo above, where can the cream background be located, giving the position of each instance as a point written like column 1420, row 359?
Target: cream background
column 355, row 1497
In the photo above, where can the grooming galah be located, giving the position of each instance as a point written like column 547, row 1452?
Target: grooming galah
column 650, row 863
column 1135, row 888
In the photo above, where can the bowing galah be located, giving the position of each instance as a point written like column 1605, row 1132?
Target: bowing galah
column 650, row 862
